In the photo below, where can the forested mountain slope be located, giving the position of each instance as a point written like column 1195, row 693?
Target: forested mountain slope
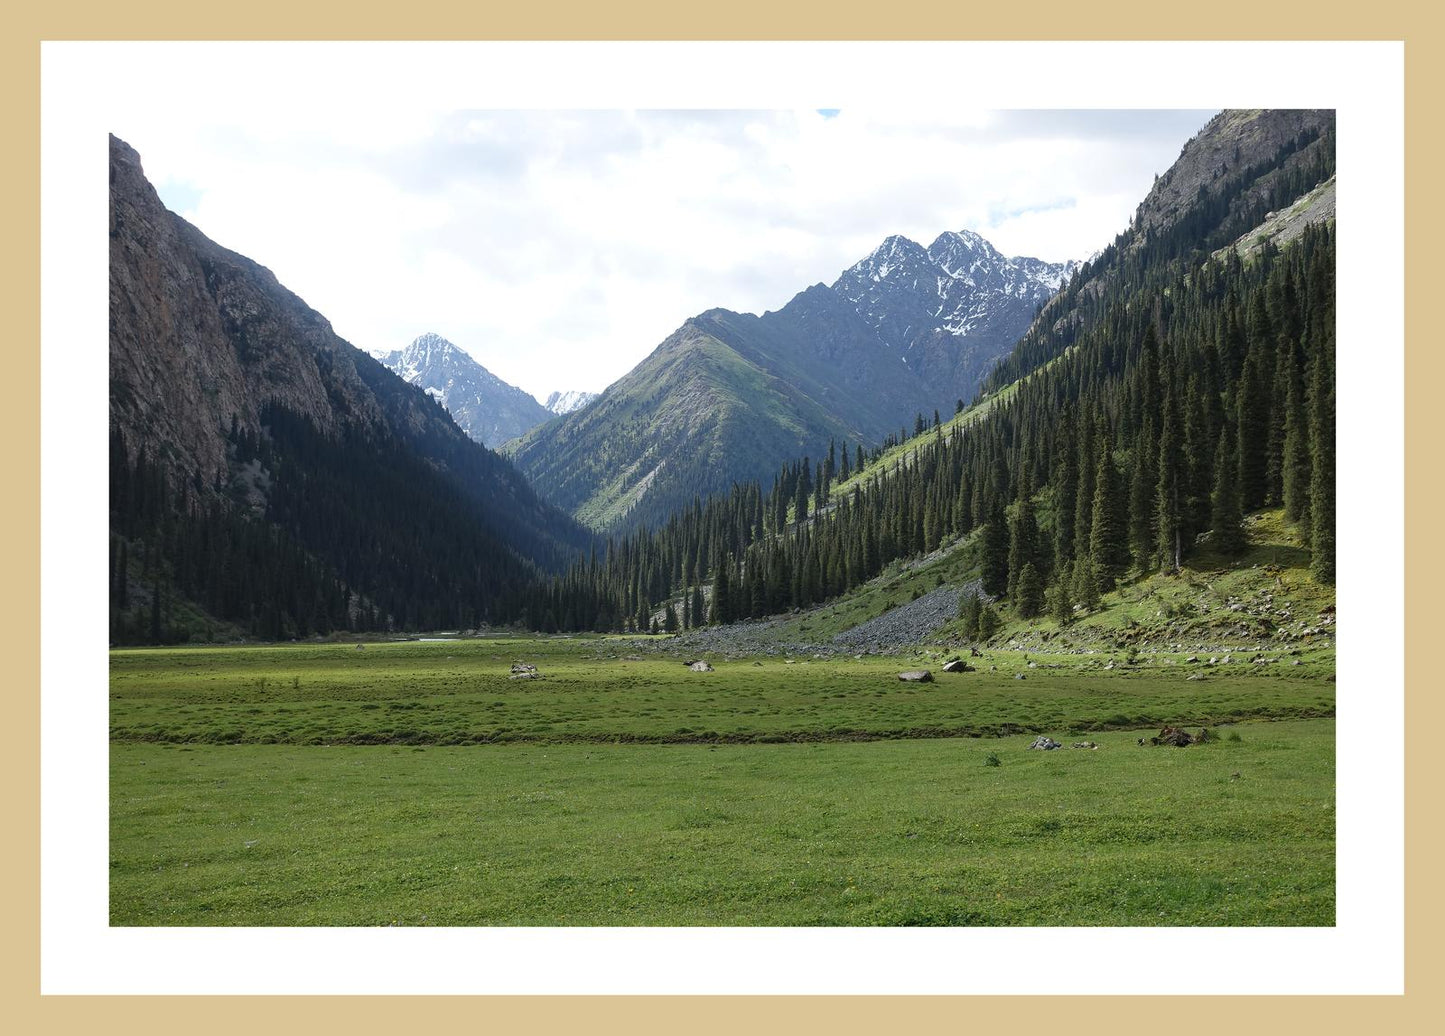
column 266, row 473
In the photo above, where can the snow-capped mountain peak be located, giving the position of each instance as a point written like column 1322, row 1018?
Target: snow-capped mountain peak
column 960, row 286
column 566, row 402
column 482, row 404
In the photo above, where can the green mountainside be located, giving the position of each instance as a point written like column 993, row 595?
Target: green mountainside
column 1165, row 397
column 906, row 330
column 705, row 410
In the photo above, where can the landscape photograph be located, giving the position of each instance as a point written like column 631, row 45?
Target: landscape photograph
column 723, row 518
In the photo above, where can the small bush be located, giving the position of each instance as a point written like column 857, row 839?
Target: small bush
column 1233, row 735
column 992, row 759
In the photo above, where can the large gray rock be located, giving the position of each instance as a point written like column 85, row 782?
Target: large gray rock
column 916, row 676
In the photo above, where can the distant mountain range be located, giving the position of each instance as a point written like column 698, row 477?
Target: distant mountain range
column 482, row 404
column 730, row 396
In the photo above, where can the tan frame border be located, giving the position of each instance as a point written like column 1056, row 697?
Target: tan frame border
column 743, row 19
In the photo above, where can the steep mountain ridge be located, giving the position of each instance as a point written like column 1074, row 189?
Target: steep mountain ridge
column 680, row 424
column 257, row 458
column 905, row 330
column 484, row 406
column 1228, row 178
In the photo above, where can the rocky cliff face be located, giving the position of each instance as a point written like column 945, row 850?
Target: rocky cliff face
column 201, row 337
column 207, row 346
column 1230, row 144
column 1247, row 174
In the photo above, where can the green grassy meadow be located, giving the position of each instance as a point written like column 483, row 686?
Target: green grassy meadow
column 414, row 783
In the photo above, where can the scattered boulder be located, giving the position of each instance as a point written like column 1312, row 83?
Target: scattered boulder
column 700, row 667
column 524, row 671
column 916, row 676
column 1045, row 744
column 1178, row 737
column 360, row 647
column 1020, row 676
column 1084, row 744
column 958, row 665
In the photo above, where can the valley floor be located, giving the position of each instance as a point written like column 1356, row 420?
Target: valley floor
column 416, row 783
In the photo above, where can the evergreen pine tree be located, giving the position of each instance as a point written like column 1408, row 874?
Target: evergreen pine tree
column 1298, row 465
column 1252, row 434
column 1060, row 594
column 804, row 488
column 1108, row 541
column 969, row 605
column 1169, row 514
column 721, row 610
column 1023, row 537
column 1226, row 529
column 1029, row 592
column 1086, row 584
column 1143, row 493
column 988, row 623
column 993, row 553
column 1322, row 468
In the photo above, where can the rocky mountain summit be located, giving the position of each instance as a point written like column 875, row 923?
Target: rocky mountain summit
column 950, row 310
column 484, row 406
column 566, row 402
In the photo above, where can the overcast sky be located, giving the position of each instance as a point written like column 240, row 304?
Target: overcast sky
column 559, row 248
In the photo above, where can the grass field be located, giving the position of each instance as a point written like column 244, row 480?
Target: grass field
column 460, row 692
column 414, row 783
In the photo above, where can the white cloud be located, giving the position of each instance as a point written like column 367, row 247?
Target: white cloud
column 560, row 247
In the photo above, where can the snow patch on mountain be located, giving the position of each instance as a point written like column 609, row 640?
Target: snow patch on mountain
column 566, row 402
